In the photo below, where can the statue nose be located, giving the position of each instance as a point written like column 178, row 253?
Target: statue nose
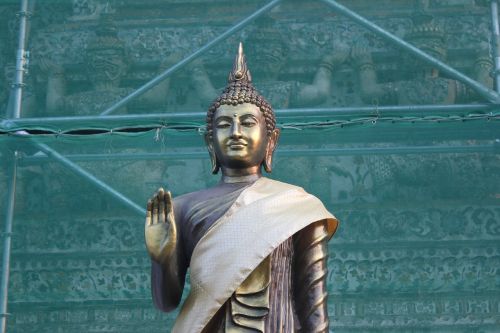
column 236, row 130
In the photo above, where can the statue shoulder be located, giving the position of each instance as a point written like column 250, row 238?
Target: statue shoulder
column 279, row 186
column 184, row 201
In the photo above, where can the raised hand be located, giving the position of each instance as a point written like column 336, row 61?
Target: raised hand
column 160, row 230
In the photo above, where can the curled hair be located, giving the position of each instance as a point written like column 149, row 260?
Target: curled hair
column 240, row 90
column 238, row 93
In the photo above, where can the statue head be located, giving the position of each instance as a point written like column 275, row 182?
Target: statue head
column 266, row 46
column 105, row 58
column 241, row 126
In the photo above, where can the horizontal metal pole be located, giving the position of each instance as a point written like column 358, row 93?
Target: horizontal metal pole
column 190, row 58
column 130, row 120
column 395, row 110
column 280, row 152
column 86, row 122
column 86, row 175
column 486, row 92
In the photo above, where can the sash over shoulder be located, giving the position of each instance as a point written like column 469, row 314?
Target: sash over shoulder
column 264, row 215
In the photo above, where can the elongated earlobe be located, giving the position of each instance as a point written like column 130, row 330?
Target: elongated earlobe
column 215, row 162
column 271, row 146
column 213, row 157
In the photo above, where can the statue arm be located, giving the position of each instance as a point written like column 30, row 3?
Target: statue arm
column 310, row 273
column 157, row 96
column 371, row 92
column 318, row 91
column 202, row 83
column 168, row 263
column 167, row 282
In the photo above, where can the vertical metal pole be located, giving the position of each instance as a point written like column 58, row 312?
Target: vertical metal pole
column 496, row 42
column 9, row 216
column 16, row 97
column 18, row 84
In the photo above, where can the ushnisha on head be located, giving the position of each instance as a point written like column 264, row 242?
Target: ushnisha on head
column 241, row 126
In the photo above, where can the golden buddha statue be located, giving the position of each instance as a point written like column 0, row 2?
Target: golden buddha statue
column 256, row 248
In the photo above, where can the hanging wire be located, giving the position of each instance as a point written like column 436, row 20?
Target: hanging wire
column 199, row 128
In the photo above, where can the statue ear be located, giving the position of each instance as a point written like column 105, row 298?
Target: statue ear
column 211, row 152
column 271, row 146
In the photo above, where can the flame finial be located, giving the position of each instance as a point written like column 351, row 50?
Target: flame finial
column 240, row 70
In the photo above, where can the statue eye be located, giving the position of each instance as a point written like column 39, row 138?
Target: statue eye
column 248, row 123
column 223, row 125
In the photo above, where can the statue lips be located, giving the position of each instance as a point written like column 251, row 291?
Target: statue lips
column 237, row 145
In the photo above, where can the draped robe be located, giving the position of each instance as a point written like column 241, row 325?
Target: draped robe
column 227, row 234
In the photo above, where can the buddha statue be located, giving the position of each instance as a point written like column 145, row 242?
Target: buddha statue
column 426, row 85
column 256, row 248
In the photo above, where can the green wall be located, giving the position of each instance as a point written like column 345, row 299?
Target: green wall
column 417, row 193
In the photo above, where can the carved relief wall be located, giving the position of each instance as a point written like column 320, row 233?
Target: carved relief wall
column 418, row 247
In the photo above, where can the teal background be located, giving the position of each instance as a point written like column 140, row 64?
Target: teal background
column 417, row 193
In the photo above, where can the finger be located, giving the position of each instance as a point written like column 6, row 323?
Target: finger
column 155, row 210
column 148, row 212
column 168, row 202
column 161, row 205
column 170, row 214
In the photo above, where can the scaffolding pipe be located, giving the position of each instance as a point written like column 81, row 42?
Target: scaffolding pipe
column 138, row 120
column 9, row 217
column 15, row 101
column 88, row 176
column 280, row 152
column 496, row 42
column 141, row 90
column 16, row 111
column 18, row 84
column 486, row 92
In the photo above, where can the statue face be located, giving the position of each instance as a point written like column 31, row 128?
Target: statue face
column 239, row 136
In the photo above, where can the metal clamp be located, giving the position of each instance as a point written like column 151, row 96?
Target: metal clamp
column 26, row 62
column 16, row 85
column 25, row 13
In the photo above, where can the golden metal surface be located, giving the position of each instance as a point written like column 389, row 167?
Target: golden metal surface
column 231, row 270
column 310, row 270
column 240, row 139
column 160, row 228
column 249, row 305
